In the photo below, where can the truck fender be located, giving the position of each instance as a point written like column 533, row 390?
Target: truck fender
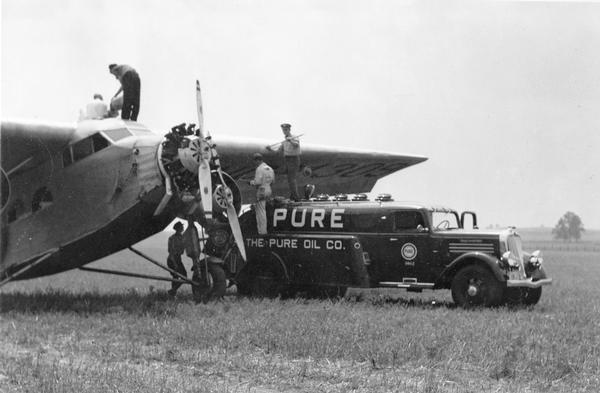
column 470, row 258
column 279, row 261
column 251, row 267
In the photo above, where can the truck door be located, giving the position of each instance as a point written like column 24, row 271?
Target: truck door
column 409, row 244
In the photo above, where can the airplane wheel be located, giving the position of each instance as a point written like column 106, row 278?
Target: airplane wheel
column 475, row 286
column 215, row 288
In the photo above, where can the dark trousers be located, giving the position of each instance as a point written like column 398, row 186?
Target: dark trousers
column 176, row 264
column 292, row 164
column 131, row 95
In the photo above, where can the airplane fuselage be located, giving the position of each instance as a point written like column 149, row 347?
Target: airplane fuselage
column 91, row 198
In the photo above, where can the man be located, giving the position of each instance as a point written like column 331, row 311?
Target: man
column 97, row 109
column 291, row 156
column 176, row 246
column 130, row 86
column 263, row 178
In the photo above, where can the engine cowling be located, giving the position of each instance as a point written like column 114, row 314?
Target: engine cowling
column 180, row 155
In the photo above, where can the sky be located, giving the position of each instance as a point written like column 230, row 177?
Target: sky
column 501, row 96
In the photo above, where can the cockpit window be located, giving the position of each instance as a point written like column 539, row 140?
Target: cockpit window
column 99, row 142
column 118, row 134
column 84, row 148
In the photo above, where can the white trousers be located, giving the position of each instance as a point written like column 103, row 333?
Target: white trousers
column 260, row 208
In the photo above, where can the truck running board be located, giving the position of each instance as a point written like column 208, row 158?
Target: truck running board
column 406, row 285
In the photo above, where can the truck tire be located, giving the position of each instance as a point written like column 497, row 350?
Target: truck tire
column 532, row 296
column 474, row 286
column 215, row 289
column 526, row 296
column 266, row 280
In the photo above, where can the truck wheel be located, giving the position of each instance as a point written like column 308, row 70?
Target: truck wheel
column 531, row 296
column 216, row 287
column 266, row 283
column 474, row 286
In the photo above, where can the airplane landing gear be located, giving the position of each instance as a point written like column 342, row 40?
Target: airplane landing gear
column 212, row 285
column 209, row 275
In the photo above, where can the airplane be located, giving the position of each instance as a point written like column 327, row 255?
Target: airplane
column 74, row 193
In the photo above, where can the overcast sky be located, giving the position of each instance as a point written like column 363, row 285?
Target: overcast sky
column 502, row 97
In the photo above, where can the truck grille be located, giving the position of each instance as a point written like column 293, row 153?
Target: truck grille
column 514, row 246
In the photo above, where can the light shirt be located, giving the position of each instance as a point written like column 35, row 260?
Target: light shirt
column 264, row 176
column 291, row 146
column 96, row 109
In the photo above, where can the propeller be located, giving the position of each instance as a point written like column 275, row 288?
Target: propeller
column 203, row 149
column 223, row 194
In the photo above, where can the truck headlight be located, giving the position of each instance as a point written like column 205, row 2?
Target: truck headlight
column 511, row 259
column 536, row 259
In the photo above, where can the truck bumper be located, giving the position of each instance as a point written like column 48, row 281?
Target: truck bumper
column 529, row 283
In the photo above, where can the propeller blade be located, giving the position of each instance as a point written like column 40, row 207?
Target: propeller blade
column 200, row 111
column 234, row 223
column 232, row 217
column 205, row 180
column 205, row 183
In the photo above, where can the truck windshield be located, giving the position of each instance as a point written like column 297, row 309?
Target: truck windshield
column 442, row 221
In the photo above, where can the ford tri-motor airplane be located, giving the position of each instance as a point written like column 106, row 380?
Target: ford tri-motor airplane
column 74, row 193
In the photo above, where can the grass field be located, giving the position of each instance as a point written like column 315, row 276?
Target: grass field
column 83, row 332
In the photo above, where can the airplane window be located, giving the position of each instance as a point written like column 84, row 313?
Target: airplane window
column 41, row 199
column 408, row 220
column 67, row 158
column 82, row 149
column 99, row 142
column 118, row 134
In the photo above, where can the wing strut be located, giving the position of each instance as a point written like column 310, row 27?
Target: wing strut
column 27, row 268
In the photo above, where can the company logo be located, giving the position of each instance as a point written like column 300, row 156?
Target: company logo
column 409, row 251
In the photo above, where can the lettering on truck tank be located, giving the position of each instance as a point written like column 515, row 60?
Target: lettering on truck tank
column 311, row 217
column 307, row 244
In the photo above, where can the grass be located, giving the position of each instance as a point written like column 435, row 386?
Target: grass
column 79, row 332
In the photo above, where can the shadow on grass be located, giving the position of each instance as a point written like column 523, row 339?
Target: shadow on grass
column 384, row 300
column 160, row 303
column 153, row 303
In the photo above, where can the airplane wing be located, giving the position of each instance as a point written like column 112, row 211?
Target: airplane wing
column 25, row 144
column 332, row 169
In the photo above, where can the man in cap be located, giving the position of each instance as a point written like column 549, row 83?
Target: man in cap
column 176, row 247
column 291, row 156
column 130, row 86
column 263, row 178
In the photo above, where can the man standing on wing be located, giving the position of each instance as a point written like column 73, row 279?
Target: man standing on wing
column 130, row 86
column 263, row 178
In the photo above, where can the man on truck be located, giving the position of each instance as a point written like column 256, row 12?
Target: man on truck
column 263, row 178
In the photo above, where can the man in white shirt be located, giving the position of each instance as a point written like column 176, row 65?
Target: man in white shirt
column 96, row 110
column 263, row 178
